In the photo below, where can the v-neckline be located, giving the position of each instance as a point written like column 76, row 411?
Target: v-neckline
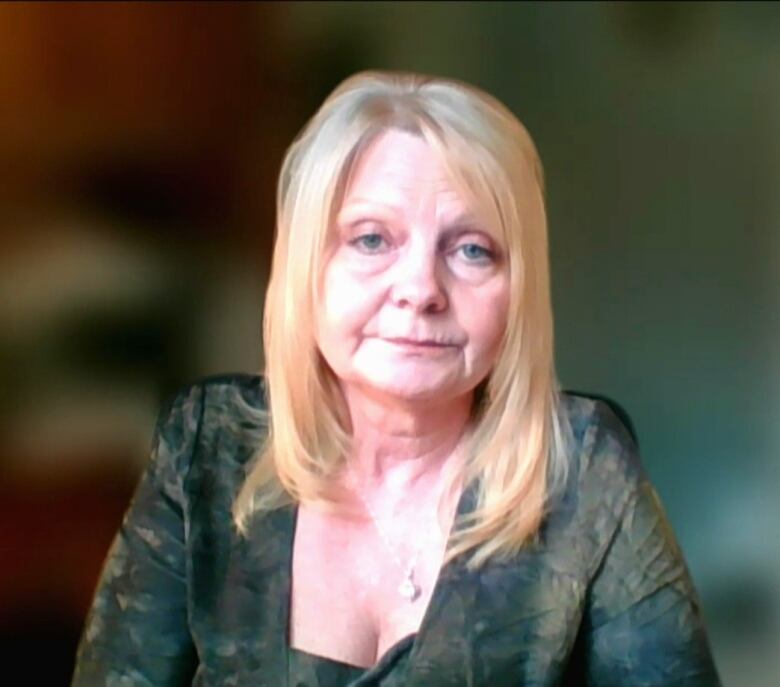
column 445, row 574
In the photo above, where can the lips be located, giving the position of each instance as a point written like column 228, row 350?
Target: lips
column 423, row 343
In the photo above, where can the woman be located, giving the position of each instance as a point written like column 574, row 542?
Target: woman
column 405, row 499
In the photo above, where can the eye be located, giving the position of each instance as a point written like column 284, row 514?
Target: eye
column 369, row 243
column 476, row 254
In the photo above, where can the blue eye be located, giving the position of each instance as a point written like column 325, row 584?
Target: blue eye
column 370, row 243
column 475, row 253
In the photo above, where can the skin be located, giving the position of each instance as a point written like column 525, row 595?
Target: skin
column 414, row 304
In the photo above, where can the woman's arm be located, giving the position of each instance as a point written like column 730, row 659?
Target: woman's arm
column 644, row 624
column 137, row 629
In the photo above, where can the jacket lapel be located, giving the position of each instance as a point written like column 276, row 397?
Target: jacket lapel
column 255, row 607
column 509, row 623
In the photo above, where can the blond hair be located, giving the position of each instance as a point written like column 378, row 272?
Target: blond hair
column 516, row 456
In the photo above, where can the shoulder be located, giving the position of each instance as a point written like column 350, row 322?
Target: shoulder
column 642, row 621
column 215, row 420
column 228, row 400
column 234, row 390
column 602, row 445
column 604, row 475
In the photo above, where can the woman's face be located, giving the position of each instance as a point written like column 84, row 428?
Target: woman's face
column 415, row 289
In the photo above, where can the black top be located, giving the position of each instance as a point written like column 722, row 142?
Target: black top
column 308, row 670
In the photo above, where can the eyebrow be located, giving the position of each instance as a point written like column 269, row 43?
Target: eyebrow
column 466, row 221
column 353, row 212
column 360, row 209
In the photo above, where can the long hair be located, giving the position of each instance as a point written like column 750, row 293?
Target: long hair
column 516, row 455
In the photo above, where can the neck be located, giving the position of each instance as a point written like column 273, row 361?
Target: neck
column 399, row 445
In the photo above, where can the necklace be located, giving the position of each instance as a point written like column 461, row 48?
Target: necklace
column 408, row 589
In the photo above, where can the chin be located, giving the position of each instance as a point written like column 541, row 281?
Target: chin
column 425, row 387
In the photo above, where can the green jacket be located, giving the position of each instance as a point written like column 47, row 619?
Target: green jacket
column 603, row 599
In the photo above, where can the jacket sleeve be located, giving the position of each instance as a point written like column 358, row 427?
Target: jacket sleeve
column 644, row 625
column 136, row 632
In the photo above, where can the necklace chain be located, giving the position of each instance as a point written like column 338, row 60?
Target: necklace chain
column 408, row 588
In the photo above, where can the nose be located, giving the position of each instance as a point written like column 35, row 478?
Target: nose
column 418, row 283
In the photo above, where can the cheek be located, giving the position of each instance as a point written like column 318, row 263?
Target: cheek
column 346, row 305
column 485, row 318
column 489, row 331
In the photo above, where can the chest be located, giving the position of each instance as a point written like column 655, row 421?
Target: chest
column 347, row 601
column 502, row 625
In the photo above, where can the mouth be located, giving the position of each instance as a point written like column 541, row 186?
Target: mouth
column 420, row 343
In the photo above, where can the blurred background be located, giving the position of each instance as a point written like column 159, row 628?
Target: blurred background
column 140, row 145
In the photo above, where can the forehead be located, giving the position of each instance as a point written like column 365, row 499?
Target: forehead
column 399, row 167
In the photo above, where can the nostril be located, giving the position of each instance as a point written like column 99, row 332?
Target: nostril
column 423, row 297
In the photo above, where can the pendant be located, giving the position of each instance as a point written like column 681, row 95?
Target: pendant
column 408, row 589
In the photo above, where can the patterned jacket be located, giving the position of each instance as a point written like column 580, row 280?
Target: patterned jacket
column 604, row 598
